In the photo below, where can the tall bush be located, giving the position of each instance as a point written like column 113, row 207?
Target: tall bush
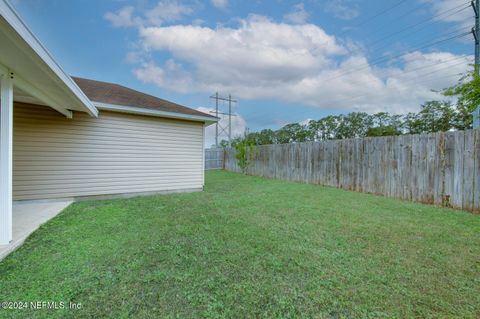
column 245, row 149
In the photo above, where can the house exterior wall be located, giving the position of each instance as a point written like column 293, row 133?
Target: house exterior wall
column 116, row 153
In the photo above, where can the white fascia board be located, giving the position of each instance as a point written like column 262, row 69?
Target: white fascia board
column 11, row 16
column 30, row 89
column 27, row 87
column 156, row 113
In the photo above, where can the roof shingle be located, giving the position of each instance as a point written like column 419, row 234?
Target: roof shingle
column 111, row 93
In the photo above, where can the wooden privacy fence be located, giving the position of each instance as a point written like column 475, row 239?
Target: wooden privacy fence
column 214, row 158
column 441, row 168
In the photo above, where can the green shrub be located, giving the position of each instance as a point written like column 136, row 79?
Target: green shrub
column 245, row 149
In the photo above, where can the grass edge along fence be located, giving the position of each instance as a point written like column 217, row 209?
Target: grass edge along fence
column 440, row 168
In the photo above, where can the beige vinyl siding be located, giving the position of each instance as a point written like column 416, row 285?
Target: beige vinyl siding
column 116, row 153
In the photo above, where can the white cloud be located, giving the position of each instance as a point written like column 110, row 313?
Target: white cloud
column 239, row 125
column 452, row 11
column 122, row 18
column 164, row 11
column 343, row 9
column 257, row 54
column 167, row 11
column 294, row 63
column 134, row 57
column 170, row 76
column 220, row 3
column 298, row 15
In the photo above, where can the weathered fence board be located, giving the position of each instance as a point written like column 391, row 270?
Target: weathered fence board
column 214, row 158
column 476, row 178
column 441, row 168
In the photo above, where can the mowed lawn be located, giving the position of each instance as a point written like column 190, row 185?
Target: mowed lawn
column 250, row 247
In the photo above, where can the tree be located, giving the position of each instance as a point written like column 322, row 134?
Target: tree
column 382, row 131
column 292, row 133
column 245, row 148
column 463, row 119
column 467, row 92
column 412, row 124
column 265, row 137
column 324, row 129
column 384, row 124
column 354, row 125
column 224, row 144
column 436, row 116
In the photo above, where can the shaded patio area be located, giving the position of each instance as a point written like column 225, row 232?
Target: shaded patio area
column 27, row 217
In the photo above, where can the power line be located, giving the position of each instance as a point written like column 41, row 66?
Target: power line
column 465, row 6
column 436, row 63
column 431, row 19
column 376, row 48
column 385, row 59
column 407, row 81
column 380, row 60
column 364, row 96
column 424, row 4
column 430, row 73
column 421, row 25
column 381, row 13
column 374, row 16
column 412, row 10
column 437, row 70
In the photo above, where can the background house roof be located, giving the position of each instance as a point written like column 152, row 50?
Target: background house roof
column 110, row 93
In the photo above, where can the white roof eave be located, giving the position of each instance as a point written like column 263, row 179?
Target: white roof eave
column 68, row 85
column 156, row 113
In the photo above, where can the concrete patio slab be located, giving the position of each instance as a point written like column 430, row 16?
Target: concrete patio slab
column 27, row 217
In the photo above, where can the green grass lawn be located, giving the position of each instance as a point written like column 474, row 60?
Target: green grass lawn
column 251, row 247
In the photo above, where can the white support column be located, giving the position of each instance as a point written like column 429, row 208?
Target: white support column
column 203, row 155
column 6, row 162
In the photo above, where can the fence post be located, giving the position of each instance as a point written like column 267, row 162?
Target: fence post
column 426, row 168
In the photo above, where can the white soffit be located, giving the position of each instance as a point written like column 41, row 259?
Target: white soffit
column 37, row 73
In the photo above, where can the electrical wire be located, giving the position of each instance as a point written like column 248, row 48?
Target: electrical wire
column 423, row 22
column 424, row 4
column 365, row 96
column 381, row 13
column 385, row 59
column 463, row 57
column 374, row 16
column 437, row 70
column 414, row 80
column 377, row 48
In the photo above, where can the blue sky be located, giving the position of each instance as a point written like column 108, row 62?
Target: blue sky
column 285, row 61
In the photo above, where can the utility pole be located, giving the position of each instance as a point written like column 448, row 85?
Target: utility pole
column 476, row 35
column 219, row 129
